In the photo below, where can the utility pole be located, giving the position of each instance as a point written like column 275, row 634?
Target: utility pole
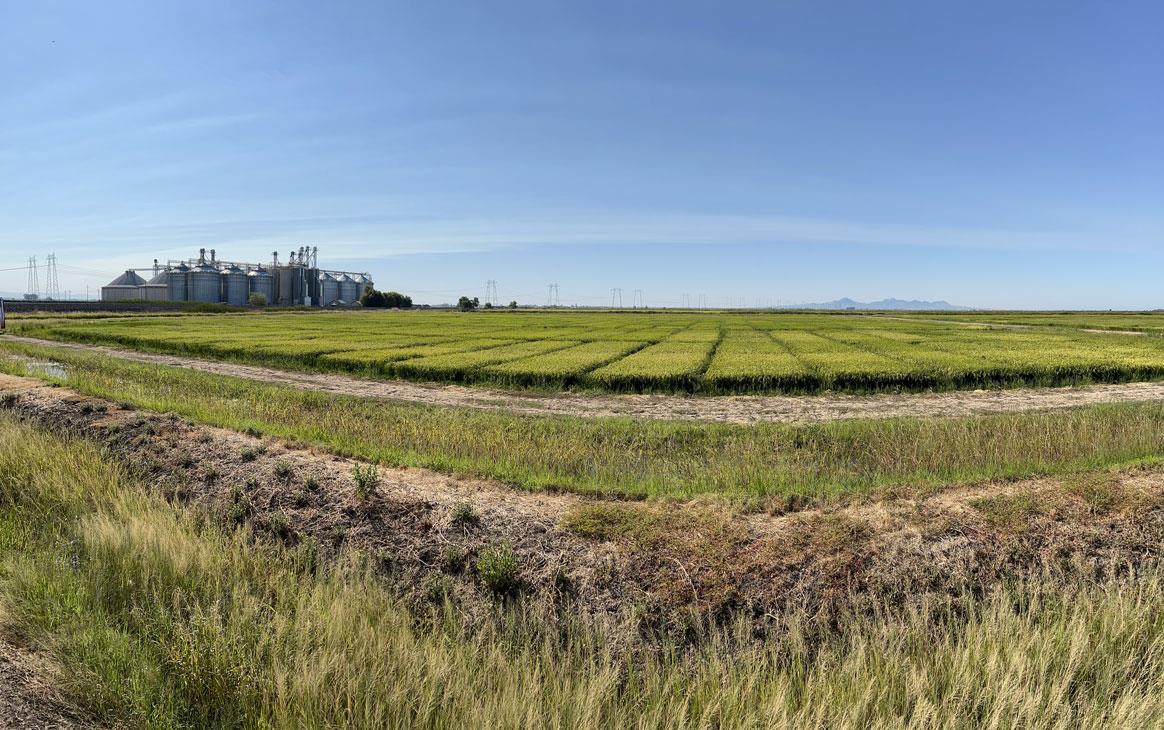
column 552, row 299
column 52, row 283
column 33, row 279
column 638, row 300
column 491, row 292
column 616, row 295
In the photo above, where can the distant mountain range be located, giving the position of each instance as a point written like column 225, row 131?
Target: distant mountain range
column 902, row 304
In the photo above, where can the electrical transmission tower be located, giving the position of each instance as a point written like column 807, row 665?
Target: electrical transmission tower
column 616, row 295
column 638, row 300
column 52, row 283
column 552, row 299
column 33, row 279
column 491, row 292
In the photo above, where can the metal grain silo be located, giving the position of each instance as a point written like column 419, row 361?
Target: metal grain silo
column 156, row 289
column 262, row 282
column 236, row 288
column 349, row 290
column 204, row 284
column 329, row 289
column 123, row 288
column 176, row 282
column 362, row 283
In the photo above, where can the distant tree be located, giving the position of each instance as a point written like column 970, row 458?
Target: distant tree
column 513, row 304
column 373, row 298
column 488, row 305
column 257, row 299
column 465, row 304
column 397, row 300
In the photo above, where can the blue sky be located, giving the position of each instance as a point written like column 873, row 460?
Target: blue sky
column 992, row 154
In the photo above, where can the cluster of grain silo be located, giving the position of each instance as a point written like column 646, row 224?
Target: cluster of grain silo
column 299, row 282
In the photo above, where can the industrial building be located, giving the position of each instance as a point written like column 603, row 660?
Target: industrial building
column 300, row 282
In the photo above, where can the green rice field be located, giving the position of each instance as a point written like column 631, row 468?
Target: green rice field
column 696, row 352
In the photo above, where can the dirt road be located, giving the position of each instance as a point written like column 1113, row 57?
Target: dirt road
column 741, row 409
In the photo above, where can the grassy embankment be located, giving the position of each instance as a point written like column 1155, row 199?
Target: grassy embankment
column 159, row 618
column 770, row 462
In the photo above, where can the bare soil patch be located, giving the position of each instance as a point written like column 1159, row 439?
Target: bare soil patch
column 28, row 699
column 742, row 409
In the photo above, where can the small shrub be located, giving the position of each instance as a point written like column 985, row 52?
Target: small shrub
column 252, row 484
column 279, row 525
column 463, row 514
column 211, row 475
column 205, row 437
column 185, row 461
column 497, row 567
column 284, row 470
column 337, row 534
column 312, row 484
column 367, row 479
column 257, row 299
column 454, row 558
column 436, row 587
column 240, row 507
column 562, row 581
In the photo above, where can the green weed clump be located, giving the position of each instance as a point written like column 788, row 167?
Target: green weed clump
column 367, row 479
column 497, row 567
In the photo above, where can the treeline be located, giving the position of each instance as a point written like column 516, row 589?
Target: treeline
column 391, row 299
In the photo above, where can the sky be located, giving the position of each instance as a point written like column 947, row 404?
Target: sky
column 992, row 154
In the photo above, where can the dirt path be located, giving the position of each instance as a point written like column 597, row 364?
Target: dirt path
column 740, row 409
column 717, row 409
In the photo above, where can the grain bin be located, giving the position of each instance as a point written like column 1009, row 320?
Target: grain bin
column 235, row 286
column 349, row 290
column 329, row 289
column 123, row 288
column 362, row 283
column 156, row 289
column 261, row 282
column 176, row 282
column 204, row 284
